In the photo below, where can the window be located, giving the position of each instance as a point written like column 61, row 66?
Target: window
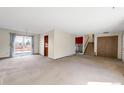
column 23, row 45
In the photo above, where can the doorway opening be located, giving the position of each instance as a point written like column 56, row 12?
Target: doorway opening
column 46, row 45
column 23, row 45
column 79, row 44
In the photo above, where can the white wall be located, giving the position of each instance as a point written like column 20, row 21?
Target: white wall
column 60, row 44
column 119, row 34
column 36, row 43
column 5, row 42
column 123, row 47
column 51, row 44
column 90, row 37
column 64, row 44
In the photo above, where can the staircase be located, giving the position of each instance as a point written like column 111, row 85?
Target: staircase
column 90, row 49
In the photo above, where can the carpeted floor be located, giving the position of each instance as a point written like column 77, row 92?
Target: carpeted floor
column 36, row 69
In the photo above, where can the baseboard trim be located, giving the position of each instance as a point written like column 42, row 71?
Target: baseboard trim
column 36, row 53
column 2, row 58
column 12, row 57
column 63, row 57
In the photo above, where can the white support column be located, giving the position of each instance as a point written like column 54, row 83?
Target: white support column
column 123, row 48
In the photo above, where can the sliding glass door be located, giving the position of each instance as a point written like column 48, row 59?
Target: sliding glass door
column 23, row 45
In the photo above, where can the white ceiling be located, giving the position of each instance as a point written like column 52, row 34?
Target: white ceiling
column 75, row 20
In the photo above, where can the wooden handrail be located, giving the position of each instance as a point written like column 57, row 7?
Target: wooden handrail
column 87, row 41
column 85, row 44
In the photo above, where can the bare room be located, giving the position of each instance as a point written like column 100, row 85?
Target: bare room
column 61, row 45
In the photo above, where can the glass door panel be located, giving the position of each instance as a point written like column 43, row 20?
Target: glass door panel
column 27, row 44
column 22, row 45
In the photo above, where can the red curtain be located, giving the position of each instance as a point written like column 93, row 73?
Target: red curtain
column 79, row 40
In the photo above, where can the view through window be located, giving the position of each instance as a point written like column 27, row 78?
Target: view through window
column 23, row 45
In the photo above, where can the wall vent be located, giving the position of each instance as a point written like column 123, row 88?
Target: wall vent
column 105, row 32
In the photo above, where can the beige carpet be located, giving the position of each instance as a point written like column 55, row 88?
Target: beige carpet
column 37, row 69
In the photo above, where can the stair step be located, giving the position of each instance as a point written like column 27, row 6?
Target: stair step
column 90, row 49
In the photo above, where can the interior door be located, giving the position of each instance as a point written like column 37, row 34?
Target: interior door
column 107, row 46
column 45, row 45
